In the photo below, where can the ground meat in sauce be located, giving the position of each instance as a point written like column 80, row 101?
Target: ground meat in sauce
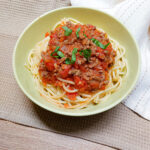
column 89, row 75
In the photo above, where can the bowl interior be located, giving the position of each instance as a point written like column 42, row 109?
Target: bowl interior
column 36, row 31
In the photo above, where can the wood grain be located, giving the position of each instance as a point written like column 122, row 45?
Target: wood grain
column 18, row 137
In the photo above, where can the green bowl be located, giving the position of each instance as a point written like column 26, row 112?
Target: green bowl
column 35, row 32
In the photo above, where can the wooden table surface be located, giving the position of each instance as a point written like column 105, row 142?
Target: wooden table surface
column 19, row 137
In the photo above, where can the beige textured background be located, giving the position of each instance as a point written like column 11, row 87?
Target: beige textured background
column 119, row 127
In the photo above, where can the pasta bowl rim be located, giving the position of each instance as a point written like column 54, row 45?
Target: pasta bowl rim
column 69, row 113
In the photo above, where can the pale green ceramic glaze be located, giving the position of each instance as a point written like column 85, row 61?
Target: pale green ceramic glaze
column 36, row 31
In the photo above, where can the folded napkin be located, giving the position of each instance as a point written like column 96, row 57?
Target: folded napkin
column 135, row 15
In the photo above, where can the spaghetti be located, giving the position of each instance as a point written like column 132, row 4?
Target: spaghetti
column 56, row 94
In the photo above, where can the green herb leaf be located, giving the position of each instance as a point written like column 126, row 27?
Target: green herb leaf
column 86, row 53
column 84, row 34
column 55, row 51
column 67, row 61
column 81, row 52
column 77, row 32
column 73, row 58
column 67, row 30
column 97, row 43
column 107, row 45
column 60, row 54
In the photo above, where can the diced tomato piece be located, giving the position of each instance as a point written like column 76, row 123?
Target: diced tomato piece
column 44, row 83
column 61, row 39
column 103, row 87
column 76, row 65
column 64, row 73
column 41, row 60
column 46, row 34
column 72, row 96
column 79, row 82
column 94, row 84
column 104, row 65
column 65, row 66
column 91, row 27
column 66, row 105
column 77, row 26
column 50, row 64
column 82, row 68
column 58, row 83
column 51, row 36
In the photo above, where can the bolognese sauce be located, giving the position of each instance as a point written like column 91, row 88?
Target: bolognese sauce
column 80, row 54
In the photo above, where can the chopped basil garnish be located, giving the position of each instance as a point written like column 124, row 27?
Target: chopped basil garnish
column 55, row 51
column 107, row 45
column 67, row 30
column 77, row 32
column 59, row 53
column 67, row 61
column 86, row 53
column 97, row 43
column 84, row 34
column 73, row 58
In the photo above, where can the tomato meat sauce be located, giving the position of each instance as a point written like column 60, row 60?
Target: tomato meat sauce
column 78, row 53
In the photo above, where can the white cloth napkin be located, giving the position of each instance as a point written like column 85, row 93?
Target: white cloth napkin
column 135, row 15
